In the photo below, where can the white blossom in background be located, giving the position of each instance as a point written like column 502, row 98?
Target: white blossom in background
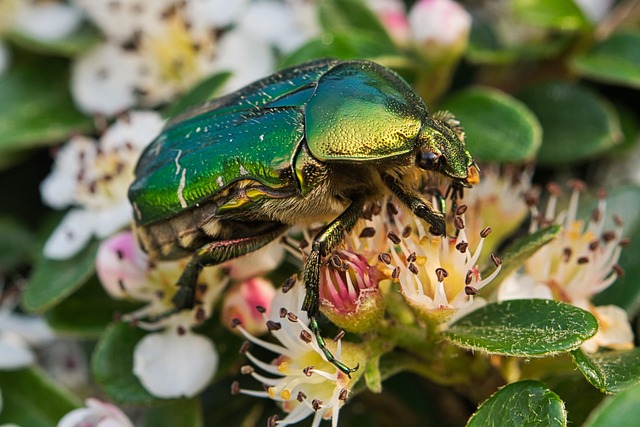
column 595, row 10
column 18, row 334
column 172, row 361
column 574, row 267
column 92, row 178
column 439, row 25
column 47, row 20
column 393, row 16
column 96, row 414
column 300, row 377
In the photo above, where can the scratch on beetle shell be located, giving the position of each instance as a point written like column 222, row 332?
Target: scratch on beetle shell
column 178, row 167
column 183, row 181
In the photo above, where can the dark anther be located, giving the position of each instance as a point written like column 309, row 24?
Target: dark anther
column 305, row 336
column 272, row 420
column 283, row 312
column 261, row 309
column 120, row 254
column 412, row 257
column 485, row 232
column 336, row 262
column 367, row 232
column 343, row 394
column 273, row 326
column 392, row 209
column 413, row 268
column 393, row 237
column 247, row 370
column 235, row 322
column 235, row 388
column 395, row 273
column 441, row 273
column 462, row 247
column 301, row 396
column 181, row 330
column 288, row 284
column 624, row 242
column 384, row 258
column 496, row 260
column 531, row 198
column 292, row 317
column 468, row 277
column 339, row 336
column 316, row 404
column 406, row 232
column 308, row 371
column 376, row 209
column 303, row 244
column 594, row 245
column 121, row 284
column 566, row 254
column 618, row 270
column 244, row 347
column 470, row 290
column 583, row 260
column 461, row 210
column 608, row 236
column 200, row 315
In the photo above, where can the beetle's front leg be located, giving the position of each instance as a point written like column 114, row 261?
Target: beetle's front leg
column 323, row 244
column 417, row 204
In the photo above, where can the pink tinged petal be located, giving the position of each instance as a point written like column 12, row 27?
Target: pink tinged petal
column 103, row 80
column 170, row 365
column 439, row 21
column 48, row 21
column 96, row 414
column 14, row 352
column 71, row 235
column 241, row 301
column 120, row 265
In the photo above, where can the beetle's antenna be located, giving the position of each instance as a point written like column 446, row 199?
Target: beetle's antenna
column 313, row 325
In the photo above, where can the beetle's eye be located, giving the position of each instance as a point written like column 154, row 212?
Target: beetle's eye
column 429, row 161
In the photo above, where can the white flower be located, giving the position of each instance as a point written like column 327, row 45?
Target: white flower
column 159, row 358
column 595, row 10
column 203, row 15
column 104, row 79
column 175, row 363
column 614, row 330
column 438, row 276
column 96, row 414
column 18, row 333
column 300, row 377
column 47, row 21
column 93, row 177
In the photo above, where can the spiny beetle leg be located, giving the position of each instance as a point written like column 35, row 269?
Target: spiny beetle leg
column 418, row 206
column 215, row 253
column 313, row 325
column 323, row 244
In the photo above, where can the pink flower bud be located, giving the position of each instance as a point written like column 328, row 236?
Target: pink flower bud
column 121, row 265
column 248, row 302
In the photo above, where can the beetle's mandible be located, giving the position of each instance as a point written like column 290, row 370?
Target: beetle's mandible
column 313, row 143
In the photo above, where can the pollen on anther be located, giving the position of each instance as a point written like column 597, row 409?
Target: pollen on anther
column 301, row 396
column 247, row 370
column 283, row 312
column 385, row 258
column 316, row 404
column 441, row 273
column 412, row 257
column 458, row 223
column 462, row 247
column 470, row 290
column 461, row 210
column 235, row 388
column 367, row 232
column 406, row 232
column 485, row 232
column 413, row 268
column 395, row 273
column 305, row 336
column 292, row 317
column 273, row 326
column 394, row 238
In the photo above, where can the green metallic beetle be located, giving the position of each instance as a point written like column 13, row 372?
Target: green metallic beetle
column 313, row 143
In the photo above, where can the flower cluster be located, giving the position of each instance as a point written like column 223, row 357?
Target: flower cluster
column 574, row 267
column 157, row 49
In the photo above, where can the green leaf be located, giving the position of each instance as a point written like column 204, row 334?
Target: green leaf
column 76, row 43
column 524, row 328
column 203, row 91
column 53, row 280
column 87, row 312
column 614, row 60
column 340, row 45
column 17, row 243
column 578, row 395
column 352, row 15
column 621, row 410
column 557, row 14
column 522, row 404
column 576, row 123
column 112, row 365
column 498, row 128
column 181, row 412
column 32, row 399
column 625, row 293
column 610, row 371
column 36, row 106
column 518, row 251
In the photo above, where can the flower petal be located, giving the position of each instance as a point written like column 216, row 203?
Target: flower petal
column 171, row 365
column 71, row 235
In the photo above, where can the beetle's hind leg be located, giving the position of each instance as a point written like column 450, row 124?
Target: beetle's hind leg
column 323, row 244
column 214, row 253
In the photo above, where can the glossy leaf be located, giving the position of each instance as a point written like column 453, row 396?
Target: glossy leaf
column 30, row 398
column 525, row 328
column 205, row 90
column 36, row 107
column 181, row 412
column 498, row 128
column 75, row 43
column 522, row 404
column 559, row 14
column 340, row 45
column 112, row 365
column 578, row 395
column 87, row 312
column 625, row 202
column 614, row 60
column 621, row 410
column 53, row 280
column 610, row 371
column 576, row 123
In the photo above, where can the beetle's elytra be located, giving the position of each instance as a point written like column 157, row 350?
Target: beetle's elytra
column 315, row 142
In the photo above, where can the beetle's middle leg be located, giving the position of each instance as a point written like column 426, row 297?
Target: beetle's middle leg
column 323, row 244
column 214, row 253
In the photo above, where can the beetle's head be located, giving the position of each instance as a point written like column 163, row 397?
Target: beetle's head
column 442, row 150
